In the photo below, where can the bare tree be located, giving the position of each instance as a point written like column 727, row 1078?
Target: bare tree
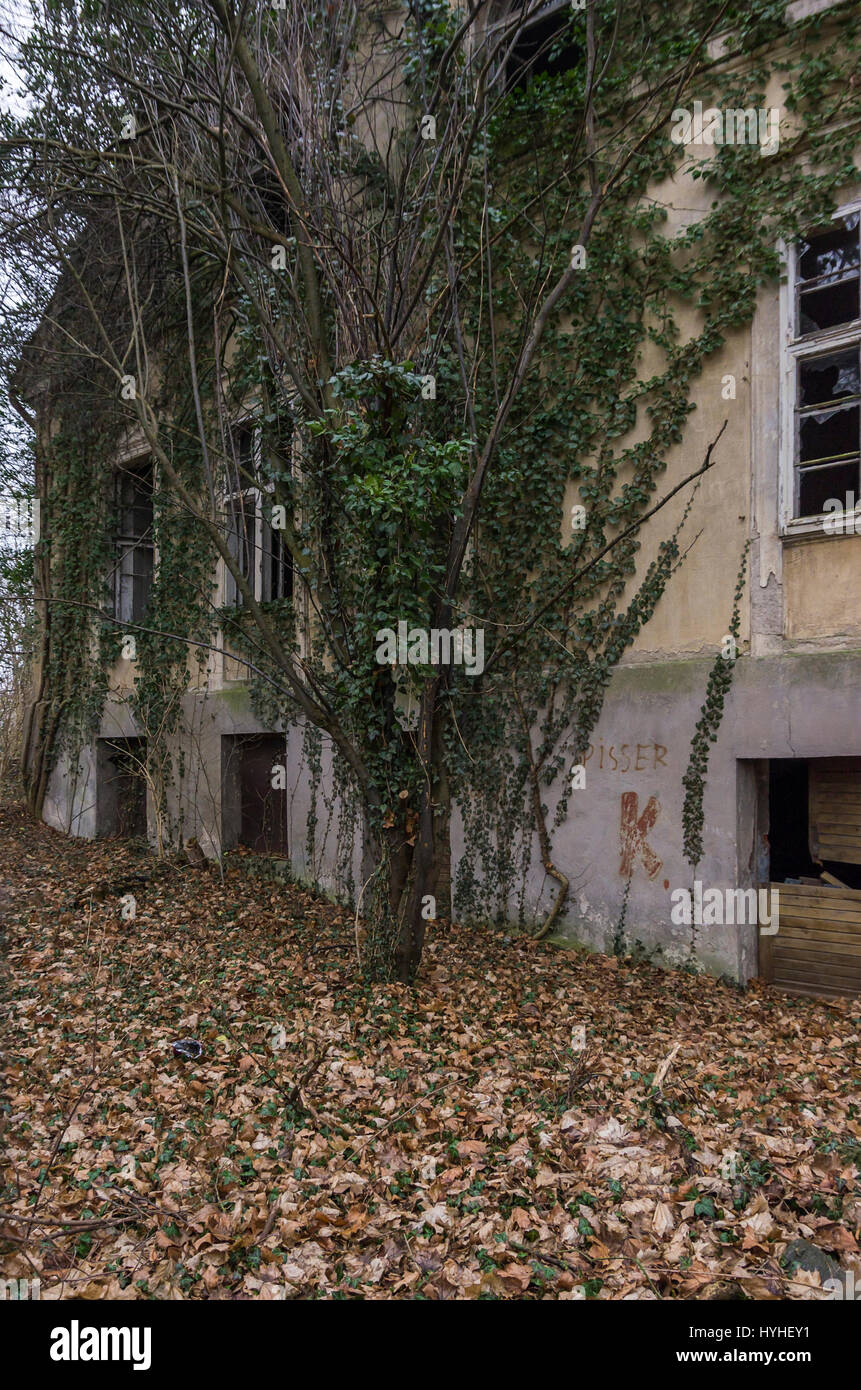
column 300, row 210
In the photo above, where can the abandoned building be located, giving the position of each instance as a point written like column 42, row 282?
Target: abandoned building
column 782, row 803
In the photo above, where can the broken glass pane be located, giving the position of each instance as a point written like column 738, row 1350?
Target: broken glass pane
column 826, row 434
column 134, row 490
column 830, row 253
column 816, row 486
column 828, row 305
column 829, row 378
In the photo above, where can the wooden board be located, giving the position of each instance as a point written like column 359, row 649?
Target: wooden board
column 817, row 947
column 835, row 809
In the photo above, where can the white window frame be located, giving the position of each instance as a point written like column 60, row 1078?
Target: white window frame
column 229, row 590
column 796, row 349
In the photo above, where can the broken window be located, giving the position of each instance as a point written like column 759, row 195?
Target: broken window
column 827, row 436
column 241, row 514
column 277, row 576
column 255, row 537
column 277, row 450
column 815, row 821
column 133, row 570
column 828, row 277
column 835, row 812
column 542, row 43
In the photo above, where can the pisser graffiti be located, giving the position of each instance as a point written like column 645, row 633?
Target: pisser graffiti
column 646, row 758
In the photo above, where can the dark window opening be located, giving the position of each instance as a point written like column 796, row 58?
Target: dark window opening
column 277, row 564
column 818, row 486
column 832, row 377
column 827, row 449
column 240, row 463
column 545, row 46
column 828, row 277
column 133, row 570
column 241, row 543
column 827, row 435
column 277, row 450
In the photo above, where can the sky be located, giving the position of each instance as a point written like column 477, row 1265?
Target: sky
column 14, row 20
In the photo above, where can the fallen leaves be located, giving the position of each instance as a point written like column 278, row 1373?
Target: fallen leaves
column 335, row 1140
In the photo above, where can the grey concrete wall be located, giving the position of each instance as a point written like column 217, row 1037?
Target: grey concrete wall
column 199, row 804
column 795, row 706
column 70, row 795
column 625, row 823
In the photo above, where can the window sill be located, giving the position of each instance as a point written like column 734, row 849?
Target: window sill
column 813, row 528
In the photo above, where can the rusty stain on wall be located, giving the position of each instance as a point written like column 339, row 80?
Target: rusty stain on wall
column 632, row 833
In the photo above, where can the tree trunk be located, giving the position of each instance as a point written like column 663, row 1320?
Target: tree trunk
column 411, row 937
column 440, row 885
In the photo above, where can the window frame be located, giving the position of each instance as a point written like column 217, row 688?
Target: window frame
column 796, row 349
column 260, row 582
column 126, row 545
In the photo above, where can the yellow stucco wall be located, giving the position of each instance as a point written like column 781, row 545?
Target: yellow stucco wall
column 822, row 588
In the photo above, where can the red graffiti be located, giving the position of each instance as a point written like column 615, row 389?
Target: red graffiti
column 633, row 835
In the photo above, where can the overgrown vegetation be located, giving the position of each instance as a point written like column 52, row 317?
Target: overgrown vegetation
column 284, row 240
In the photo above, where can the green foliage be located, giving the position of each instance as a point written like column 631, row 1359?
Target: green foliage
column 383, row 474
column 706, row 732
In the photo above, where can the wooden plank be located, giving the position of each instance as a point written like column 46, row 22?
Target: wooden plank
column 817, row 928
column 809, row 946
column 814, row 917
column 817, row 949
column 811, row 992
column 766, row 957
column 823, row 942
column 846, row 984
column 804, row 963
column 804, row 960
column 834, row 805
column 824, row 988
column 820, row 917
column 808, row 892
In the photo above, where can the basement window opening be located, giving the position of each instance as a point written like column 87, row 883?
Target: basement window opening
column 814, row 810
column 814, row 942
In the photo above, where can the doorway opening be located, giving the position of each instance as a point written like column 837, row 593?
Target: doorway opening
column 254, row 794
column 121, row 787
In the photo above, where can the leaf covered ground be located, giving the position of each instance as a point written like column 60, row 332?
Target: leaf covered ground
column 343, row 1141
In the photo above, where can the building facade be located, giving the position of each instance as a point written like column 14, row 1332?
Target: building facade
column 782, row 801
